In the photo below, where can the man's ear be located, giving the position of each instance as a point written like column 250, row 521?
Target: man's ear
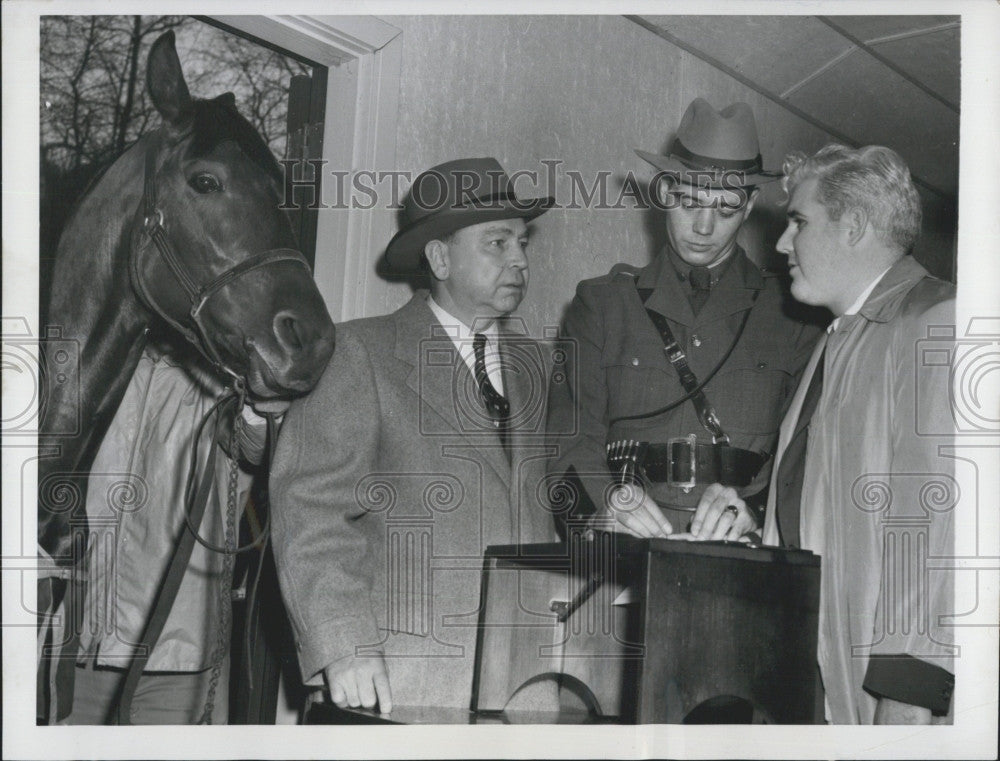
column 438, row 260
column 854, row 222
column 663, row 193
column 751, row 200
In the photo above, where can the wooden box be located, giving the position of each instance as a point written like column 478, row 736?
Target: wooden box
column 654, row 631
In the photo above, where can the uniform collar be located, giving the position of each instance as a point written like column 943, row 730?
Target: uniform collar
column 739, row 273
column 683, row 270
column 736, row 291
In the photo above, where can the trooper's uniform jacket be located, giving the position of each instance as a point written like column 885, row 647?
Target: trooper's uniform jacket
column 616, row 367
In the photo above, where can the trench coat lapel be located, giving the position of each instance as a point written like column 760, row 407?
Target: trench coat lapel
column 442, row 381
column 786, row 432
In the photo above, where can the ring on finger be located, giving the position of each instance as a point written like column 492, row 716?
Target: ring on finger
column 732, row 509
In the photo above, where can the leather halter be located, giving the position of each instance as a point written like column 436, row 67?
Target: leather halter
column 153, row 231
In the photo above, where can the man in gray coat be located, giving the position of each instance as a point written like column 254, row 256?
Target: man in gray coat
column 863, row 474
column 421, row 446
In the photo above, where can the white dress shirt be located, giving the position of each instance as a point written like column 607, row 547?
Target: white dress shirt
column 462, row 336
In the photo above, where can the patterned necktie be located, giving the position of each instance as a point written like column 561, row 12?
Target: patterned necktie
column 793, row 464
column 496, row 404
column 701, row 284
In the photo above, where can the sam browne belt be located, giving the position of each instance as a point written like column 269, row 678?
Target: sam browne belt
column 684, row 462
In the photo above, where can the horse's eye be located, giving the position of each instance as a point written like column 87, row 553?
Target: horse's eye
column 205, row 183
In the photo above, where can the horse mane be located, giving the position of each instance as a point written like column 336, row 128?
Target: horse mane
column 97, row 230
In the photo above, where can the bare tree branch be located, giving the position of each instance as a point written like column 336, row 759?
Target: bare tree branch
column 93, row 103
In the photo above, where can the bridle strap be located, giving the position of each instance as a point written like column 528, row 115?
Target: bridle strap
column 241, row 268
column 152, row 225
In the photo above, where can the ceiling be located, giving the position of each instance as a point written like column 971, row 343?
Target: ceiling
column 889, row 80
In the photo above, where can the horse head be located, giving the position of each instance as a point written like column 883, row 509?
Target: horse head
column 212, row 252
column 183, row 229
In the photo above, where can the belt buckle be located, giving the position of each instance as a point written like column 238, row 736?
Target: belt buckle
column 691, row 440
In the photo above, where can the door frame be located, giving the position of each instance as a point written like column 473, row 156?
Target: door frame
column 364, row 57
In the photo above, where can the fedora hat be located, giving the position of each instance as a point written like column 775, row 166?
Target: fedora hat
column 453, row 195
column 723, row 143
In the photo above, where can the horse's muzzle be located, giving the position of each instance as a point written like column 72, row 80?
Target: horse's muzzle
column 293, row 362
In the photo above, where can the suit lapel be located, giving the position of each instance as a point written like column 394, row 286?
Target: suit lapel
column 800, row 394
column 812, row 516
column 441, row 380
column 793, row 422
column 518, row 385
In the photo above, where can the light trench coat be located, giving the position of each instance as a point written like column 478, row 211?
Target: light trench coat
column 135, row 502
column 879, row 495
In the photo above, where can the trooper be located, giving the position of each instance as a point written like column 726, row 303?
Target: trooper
column 668, row 419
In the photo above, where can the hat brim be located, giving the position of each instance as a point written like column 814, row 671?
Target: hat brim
column 730, row 178
column 406, row 247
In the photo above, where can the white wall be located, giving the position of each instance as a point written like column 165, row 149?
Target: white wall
column 584, row 90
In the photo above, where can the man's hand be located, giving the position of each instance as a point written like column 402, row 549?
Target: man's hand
column 355, row 681
column 888, row 711
column 636, row 513
column 720, row 514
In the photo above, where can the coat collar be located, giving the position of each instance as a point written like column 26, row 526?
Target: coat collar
column 735, row 292
column 885, row 301
column 414, row 323
column 425, row 348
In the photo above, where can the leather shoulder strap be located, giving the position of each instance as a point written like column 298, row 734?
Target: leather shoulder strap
column 678, row 359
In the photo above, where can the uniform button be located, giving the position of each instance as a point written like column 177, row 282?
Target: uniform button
column 635, row 361
column 761, row 365
column 696, row 340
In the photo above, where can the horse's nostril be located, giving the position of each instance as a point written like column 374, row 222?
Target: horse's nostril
column 289, row 332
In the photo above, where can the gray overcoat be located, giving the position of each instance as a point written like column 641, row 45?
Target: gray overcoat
column 389, row 481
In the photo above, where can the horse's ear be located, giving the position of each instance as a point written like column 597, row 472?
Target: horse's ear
column 227, row 99
column 165, row 81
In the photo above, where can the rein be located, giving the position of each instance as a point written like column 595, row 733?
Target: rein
column 153, row 231
column 196, row 500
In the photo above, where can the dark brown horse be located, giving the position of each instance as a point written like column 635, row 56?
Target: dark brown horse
column 184, row 230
